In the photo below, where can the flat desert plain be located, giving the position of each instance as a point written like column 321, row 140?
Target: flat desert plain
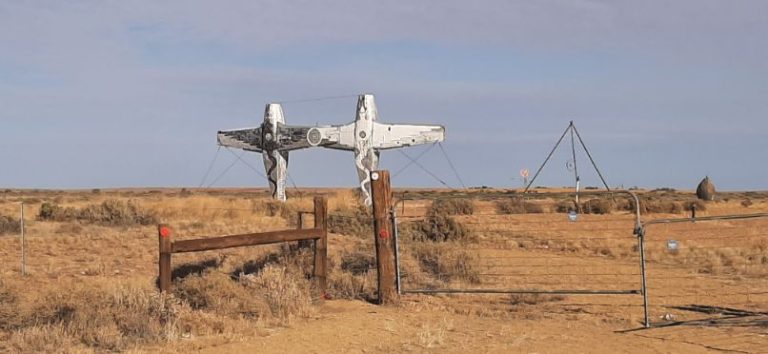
column 92, row 264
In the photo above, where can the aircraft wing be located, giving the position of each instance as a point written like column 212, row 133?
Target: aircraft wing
column 289, row 137
column 246, row 139
column 294, row 137
column 391, row 136
column 340, row 137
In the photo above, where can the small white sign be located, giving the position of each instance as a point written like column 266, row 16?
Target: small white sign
column 672, row 245
column 572, row 215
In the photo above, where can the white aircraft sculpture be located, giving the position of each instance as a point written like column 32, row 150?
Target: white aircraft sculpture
column 365, row 136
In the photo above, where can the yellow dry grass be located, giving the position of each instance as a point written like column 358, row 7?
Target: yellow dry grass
column 91, row 287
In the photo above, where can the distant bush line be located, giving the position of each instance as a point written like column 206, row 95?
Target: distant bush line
column 109, row 212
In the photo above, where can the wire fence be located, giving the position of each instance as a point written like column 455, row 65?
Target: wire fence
column 687, row 269
column 708, row 267
column 496, row 248
column 699, row 268
column 72, row 245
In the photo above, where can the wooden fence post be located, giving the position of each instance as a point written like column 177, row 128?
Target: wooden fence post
column 321, row 244
column 300, row 225
column 385, row 253
column 164, row 276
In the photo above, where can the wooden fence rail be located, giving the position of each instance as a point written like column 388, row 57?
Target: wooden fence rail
column 318, row 234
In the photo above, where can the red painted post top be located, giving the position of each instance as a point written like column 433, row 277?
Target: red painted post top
column 165, row 231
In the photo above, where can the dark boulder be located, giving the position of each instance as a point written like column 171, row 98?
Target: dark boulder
column 706, row 190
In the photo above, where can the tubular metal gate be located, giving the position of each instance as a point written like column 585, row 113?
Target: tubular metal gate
column 709, row 272
column 517, row 244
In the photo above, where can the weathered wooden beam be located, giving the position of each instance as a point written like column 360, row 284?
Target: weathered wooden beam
column 300, row 225
column 164, row 263
column 321, row 244
column 382, row 225
column 252, row 239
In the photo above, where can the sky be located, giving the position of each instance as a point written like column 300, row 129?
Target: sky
column 99, row 94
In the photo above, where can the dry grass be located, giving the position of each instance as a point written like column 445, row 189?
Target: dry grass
column 91, row 285
column 106, row 315
column 656, row 206
column 747, row 260
column 352, row 275
column 447, row 262
column 533, row 299
column 103, row 317
column 9, row 225
column 439, row 225
column 598, row 206
column 452, row 206
column 284, row 290
column 564, row 206
column 358, row 263
column 218, row 293
column 432, row 335
column 518, row 206
column 84, row 272
column 110, row 212
column 289, row 212
column 437, row 228
column 355, row 222
column 699, row 205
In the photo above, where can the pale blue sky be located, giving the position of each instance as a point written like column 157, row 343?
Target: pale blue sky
column 116, row 94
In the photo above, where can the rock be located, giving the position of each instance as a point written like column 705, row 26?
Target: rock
column 706, row 190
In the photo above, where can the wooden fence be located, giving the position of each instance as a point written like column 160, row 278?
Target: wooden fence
column 318, row 234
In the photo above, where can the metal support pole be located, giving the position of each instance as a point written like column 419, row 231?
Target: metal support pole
column 575, row 167
column 590, row 158
column 527, row 187
column 522, row 291
column 23, row 244
column 395, row 239
column 693, row 212
column 641, row 244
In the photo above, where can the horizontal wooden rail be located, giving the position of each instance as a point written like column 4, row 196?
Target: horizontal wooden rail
column 318, row 234
column 253, row 239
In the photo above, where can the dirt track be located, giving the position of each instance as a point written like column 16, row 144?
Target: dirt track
column 355, row 327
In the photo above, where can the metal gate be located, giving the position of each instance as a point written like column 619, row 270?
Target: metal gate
column 536, row 243
column 708, row 270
